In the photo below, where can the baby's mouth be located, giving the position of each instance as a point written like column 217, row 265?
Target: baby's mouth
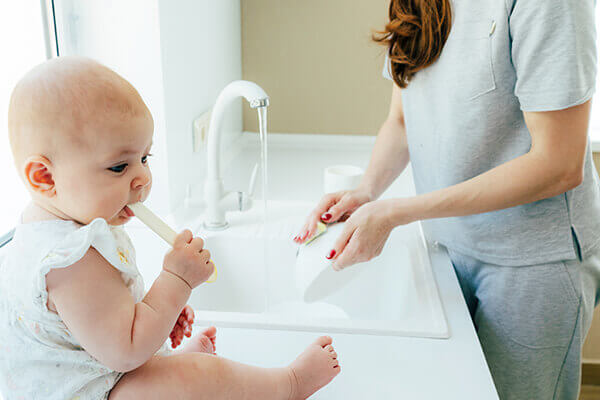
column 128, row 211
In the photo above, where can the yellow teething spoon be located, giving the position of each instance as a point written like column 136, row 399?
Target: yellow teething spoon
column 159, row 227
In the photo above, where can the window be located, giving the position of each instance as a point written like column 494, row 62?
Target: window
column 23, row 47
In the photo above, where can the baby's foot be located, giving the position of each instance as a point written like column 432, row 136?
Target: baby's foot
column 314, row 368
column 204, row 342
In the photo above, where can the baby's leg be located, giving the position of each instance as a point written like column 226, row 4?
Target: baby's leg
column 204, row 376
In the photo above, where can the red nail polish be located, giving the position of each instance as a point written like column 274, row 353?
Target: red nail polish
column 331, row 254
column 326, row 216
column 305, row 235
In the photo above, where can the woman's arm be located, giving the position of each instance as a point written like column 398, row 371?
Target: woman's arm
column 553, row 166
column 390, row 153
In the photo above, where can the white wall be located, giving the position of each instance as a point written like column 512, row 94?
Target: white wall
column 201, row 53
column 125, row 36
column 179, row 55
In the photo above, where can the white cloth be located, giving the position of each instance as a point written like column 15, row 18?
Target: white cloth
column 39, row 358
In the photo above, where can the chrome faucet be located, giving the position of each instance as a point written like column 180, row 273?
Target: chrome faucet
column 218, row 201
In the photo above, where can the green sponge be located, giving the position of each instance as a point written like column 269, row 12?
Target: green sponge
column 321, row 228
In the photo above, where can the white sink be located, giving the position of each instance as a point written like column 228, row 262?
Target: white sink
column 395, row 294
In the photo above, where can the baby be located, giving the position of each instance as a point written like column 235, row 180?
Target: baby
column 74, row 320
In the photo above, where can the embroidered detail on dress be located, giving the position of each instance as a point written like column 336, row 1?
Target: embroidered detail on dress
column 123, row 255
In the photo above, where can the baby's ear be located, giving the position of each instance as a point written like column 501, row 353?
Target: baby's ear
column 38, row 176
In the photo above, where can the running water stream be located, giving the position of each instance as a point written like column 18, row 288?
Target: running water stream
column 262, row 127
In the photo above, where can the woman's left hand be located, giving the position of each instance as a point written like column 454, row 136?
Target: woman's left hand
column 365, row 233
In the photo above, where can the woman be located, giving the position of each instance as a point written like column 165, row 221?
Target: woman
column 491, row 103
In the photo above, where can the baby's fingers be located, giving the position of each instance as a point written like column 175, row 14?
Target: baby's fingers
column 176, row 336
column 178, row 331
column 189, row 313
column 182, row 238
column 185, row 326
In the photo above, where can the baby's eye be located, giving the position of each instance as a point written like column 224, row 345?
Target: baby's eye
column 118, row 168
column 145, row 158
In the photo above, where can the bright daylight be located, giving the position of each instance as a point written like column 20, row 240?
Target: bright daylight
column 290, row 200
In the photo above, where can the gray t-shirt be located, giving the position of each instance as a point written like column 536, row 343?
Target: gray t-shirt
column 464, row 117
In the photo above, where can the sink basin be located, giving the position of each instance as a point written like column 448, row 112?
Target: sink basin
column 394, row 294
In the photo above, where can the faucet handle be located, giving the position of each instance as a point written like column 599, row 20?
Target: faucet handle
column 252, row 185
column 236, row 201
column 244, row 201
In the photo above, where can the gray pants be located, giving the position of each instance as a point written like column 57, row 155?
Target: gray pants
column 532, row 322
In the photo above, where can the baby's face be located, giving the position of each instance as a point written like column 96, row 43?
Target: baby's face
column 106, row 171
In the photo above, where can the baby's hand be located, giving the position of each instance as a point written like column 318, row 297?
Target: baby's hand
column 183, row 326
column 188, row 260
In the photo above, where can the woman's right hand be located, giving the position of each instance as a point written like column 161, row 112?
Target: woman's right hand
column 188, row 260
column 333, row 207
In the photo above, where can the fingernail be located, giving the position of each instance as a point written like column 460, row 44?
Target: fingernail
column 331, row 254
column 305, row 235
column 325, row 216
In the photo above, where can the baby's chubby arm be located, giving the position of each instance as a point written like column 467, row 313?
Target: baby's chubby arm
column 100, row 312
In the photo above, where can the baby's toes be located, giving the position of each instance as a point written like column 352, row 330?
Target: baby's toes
column 210, row 332
column 330, row 351
column 323, row 341
column 205, row 344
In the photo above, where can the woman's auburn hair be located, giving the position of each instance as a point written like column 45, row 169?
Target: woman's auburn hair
column 415, row 36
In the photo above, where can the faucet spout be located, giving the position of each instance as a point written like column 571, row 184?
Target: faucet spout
column 257, row 98
column 259, row 103
column 253, row 93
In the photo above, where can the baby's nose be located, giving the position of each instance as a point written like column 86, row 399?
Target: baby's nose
column 142, row 180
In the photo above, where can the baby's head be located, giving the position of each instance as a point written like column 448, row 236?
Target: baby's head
column 80, row 135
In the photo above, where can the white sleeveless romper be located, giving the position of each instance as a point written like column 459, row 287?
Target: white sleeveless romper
column 39, row 358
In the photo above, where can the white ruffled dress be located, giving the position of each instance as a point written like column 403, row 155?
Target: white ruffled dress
column 39, row 358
